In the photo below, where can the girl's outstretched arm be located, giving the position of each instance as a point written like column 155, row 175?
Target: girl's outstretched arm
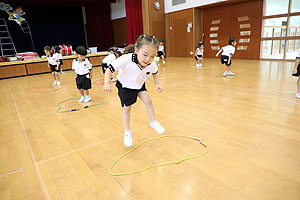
column 219, row 52
column 297, row 62
column 159, row 88
column 107, row 76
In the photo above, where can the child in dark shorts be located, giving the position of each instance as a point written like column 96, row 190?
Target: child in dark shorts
column 84, row 73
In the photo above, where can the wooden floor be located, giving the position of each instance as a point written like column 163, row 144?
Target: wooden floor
column 250, row 122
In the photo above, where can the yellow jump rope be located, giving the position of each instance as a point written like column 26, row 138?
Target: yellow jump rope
column 157, row 165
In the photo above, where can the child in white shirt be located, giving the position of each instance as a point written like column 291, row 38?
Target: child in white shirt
column 134, row 69
column 84, row 74
column 199, row 54
column 53, row 64
column 227, row 53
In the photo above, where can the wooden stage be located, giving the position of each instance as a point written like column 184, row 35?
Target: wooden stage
column 250, row 122
column 38, row 66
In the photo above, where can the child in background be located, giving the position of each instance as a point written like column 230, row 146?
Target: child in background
column 133, row 70
column 108, row 60
column 129, row 49
column 156, row 60
column 111, row 50
column 296, row 72
column 53, row 65
column 59, row 58
column 161, row 53
column 84, row 74
column 227, row 53
column 199, row 54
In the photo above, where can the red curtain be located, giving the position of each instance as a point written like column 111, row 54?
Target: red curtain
column 99, row 26
column 134, row 19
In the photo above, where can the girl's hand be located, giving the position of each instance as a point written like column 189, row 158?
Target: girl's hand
column 106, row 87
column 295, row 71
column 56, row 68
column 159, row 88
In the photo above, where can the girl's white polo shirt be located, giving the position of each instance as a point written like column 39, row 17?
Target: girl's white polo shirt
column 199, row 52
column 161, row 48
column 109, row 59
column 52, row 59
column 131, row 74
column 58, row 56
column 227, row 50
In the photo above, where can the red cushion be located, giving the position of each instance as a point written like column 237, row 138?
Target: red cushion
column 27, row 54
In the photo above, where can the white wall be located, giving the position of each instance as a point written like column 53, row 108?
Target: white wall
column 118, row 10
column 189, row 4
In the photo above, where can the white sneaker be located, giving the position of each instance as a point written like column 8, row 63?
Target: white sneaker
column 81, row 99
column 127, row 139
column 157, row 127
column 58, row 83
column 164, row 62
column 229, row 73
column 298, row 95
column 54, row 83
column 200, row 65
column 87, row 99
column 225, row 74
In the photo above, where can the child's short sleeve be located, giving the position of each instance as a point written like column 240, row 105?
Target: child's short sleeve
column 155, row 68
column 232, row 51
column 73, row 65
column 55, row 57
column 119, row 63
column 90, row 66
column 298, row 54
column 59, row 56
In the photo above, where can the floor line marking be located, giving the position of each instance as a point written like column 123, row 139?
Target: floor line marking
column 29, row 147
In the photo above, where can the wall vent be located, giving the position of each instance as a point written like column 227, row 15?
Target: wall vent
column 177, row 2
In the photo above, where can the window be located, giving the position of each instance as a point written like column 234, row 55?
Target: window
column 295, row 6
column 272, row 49
column 294, row 28
column 277, row 7
column 274, row 27
column 280, row 37
column 292, row 47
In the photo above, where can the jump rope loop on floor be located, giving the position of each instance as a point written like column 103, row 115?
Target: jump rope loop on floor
column 76, row 109
column 157, row 165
